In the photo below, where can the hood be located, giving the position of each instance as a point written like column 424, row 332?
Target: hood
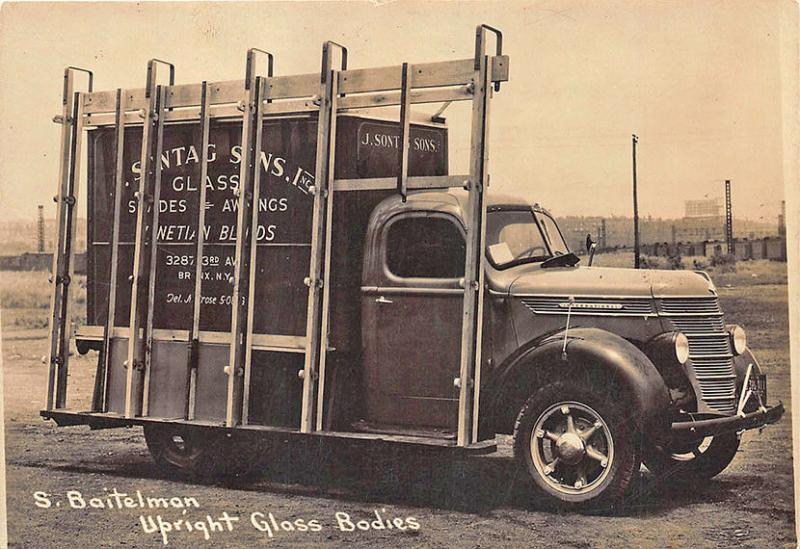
column 606, row 281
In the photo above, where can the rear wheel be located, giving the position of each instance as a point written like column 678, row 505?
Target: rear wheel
column 575, row 446
column 700, row 459
column 181, row 450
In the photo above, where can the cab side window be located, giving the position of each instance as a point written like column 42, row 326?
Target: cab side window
column 425, row 247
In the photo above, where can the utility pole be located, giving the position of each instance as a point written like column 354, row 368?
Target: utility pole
column 603, row 239
column 40, row 230
column 728, row 217
column 636, row 258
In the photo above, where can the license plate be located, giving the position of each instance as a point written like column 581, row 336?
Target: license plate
column 758, row 385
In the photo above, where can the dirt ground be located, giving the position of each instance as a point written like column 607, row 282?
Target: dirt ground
column 469, row 504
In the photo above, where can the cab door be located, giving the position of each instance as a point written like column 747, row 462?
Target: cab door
column 412, row 323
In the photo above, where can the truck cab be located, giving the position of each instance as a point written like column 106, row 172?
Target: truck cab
column 411, row 298
column 592, row 352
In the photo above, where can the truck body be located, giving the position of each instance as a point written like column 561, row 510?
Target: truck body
column 293, row 267
column 366, row 149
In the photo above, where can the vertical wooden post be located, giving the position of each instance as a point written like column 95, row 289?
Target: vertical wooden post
column 481, row 259
column 636, row 251
column 194, row 344
column 260, row 84
column 68, row 264
column 405, row 126
column 326, row 270
column 249, row 163
column 152, row 136
column 472, row 326
column 316, row 336
column 153, row 260
column 119, row 184
column 62, row 271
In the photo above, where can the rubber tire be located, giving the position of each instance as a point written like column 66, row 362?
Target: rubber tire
column 626, row 459
column 204, row 454
column 709, row 464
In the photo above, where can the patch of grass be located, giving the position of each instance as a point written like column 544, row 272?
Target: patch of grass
column 25, row 299
column 622, row 260
column 763, row 314
column 752, row 273
column 741, row 273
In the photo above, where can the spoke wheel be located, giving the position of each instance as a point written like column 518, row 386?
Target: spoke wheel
column 574, row 444
column 182, row 451
column 571, row 447
column 700, row 459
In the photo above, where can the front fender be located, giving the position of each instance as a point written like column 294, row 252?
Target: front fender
column 595, row 356
column 740, row 364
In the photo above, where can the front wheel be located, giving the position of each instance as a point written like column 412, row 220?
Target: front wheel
column 697, row 460
column 576, row 446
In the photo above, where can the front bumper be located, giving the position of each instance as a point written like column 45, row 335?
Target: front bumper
column 687, row 430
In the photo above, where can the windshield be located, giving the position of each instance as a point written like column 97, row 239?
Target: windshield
column 552, row 234
column 514, row 237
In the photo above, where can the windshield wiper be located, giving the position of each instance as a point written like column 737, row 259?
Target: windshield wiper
column 566, row 260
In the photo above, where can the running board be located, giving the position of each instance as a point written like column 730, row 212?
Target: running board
column 109, row 420
column 374, row 428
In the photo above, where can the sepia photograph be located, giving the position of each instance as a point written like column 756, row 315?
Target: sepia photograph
column 395, row 273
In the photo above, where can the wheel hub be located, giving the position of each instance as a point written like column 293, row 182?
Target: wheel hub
column 570, row 448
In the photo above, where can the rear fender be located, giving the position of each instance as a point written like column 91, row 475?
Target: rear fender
column 596, row 357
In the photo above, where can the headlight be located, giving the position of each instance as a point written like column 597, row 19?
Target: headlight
column 668, row 349
column 738, row 338
column 681, row 348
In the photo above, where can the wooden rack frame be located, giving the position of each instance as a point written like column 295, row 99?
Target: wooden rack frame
column 328, row 93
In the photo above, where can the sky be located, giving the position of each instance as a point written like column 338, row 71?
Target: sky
column 698, row 82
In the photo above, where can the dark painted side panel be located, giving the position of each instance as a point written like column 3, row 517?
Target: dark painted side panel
column 365, row 148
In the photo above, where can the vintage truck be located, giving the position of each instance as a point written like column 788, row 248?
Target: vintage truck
column 265, row 260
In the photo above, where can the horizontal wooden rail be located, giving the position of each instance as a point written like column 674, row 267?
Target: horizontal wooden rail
column 350, row 102
column 261, row 342
column 230, row 92
column 414, row 183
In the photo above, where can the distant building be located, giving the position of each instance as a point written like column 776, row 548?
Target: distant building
column 706, row 207
column 696, row 229
column 619, row 230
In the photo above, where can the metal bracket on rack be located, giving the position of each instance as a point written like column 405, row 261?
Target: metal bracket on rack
column 152, row 74
column 480, row 46
column 250, row 68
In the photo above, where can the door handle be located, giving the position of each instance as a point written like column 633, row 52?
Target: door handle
column 383, row 300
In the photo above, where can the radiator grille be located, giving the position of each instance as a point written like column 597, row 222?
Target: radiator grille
column 692, row 306
column 699, row 324
column 710, row 351
column 709, row 345
column 590, row 306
